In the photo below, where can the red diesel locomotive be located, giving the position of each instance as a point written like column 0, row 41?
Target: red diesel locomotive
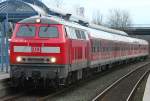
column 58, row 51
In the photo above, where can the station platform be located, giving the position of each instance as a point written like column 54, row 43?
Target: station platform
column 146, row 96
column 4, row 76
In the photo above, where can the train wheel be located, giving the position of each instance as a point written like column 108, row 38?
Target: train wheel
column 68, row 79
column 85, row 73
column 103, row 68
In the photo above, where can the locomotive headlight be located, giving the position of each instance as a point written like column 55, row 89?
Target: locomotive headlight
column 52, row 59
column 18, row 59
column 38, row 20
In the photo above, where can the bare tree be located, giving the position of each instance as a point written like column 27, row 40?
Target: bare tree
column 97, row 18
column 79, row 10
column 119, row 19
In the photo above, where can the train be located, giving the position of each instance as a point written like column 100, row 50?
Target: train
column 51, row 50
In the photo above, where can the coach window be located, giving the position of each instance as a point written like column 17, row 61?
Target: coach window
column 92, row 45
column 48, row 32
column 97, row 45
column 139, row 46
column 26, row 31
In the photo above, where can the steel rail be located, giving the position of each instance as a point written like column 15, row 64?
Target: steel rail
column 116, row 82
column 53, row 94
column 59, row 92
column 134, row 88
column 13, row 97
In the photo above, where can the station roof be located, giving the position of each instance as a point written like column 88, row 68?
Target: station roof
column 38, row 3
column 20, row 9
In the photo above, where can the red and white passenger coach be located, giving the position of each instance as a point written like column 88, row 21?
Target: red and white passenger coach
column 58, row 51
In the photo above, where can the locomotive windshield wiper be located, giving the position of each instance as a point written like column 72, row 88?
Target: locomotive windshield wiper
column 46, row 28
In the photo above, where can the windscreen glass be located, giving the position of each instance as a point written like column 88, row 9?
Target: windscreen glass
column 26, row 31
column 48, row 32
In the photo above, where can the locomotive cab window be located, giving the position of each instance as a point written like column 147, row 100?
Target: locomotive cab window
column 48, row 32
column 71, row 32
column 26, row 31
column 83, row 35
column 78, row 34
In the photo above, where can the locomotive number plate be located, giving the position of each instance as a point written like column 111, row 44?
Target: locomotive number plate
column 36, row 49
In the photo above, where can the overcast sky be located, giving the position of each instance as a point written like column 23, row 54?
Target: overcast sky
column 139, row 9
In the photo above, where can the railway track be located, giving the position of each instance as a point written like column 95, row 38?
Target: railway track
column 37, row 97
column 123, row 89
column 131, row 96
column 18, row 94
column 4, row 87
column 45, row 98
column 25, row 96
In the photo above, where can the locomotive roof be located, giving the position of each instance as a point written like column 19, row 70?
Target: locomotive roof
column 96, row 33
column 44, row 20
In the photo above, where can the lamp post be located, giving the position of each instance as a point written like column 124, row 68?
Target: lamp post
column 6, row 42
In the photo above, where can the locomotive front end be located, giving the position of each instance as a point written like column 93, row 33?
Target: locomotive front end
column 38, row 51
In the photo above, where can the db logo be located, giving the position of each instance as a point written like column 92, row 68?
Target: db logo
column 36, row 49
